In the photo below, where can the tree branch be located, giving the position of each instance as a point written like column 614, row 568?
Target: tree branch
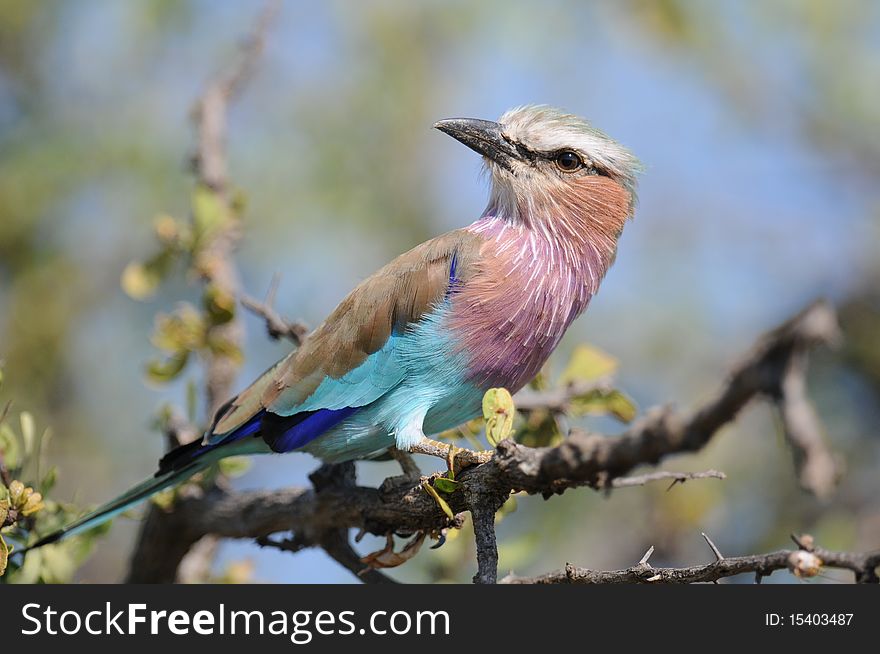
column 676, row 477
column 802, row 562
column 594, row 460
column 276, row 326
column 401, row 505
column 557, row 400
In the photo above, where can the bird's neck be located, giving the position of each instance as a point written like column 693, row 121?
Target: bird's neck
column 541, row 262
column 576, row 225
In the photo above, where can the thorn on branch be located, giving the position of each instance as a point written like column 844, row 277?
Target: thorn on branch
column 644, row 559
column 718, row 555
column 676, row 477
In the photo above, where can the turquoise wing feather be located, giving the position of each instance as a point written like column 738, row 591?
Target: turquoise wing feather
column 350, row 359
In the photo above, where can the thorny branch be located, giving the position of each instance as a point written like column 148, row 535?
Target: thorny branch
column 803, row 562
column 676, row 477
column 766, row 371
column 400, row 505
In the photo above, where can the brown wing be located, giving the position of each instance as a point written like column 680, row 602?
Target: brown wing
column 389, row 300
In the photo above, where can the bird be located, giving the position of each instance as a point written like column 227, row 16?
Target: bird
column 410, row 352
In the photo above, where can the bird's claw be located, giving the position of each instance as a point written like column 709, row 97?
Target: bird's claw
column 388, row 558
column 453, row 455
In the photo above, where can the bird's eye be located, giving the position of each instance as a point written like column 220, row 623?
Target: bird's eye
column 568, row 161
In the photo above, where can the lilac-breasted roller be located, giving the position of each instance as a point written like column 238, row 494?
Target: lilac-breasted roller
column 414, row 347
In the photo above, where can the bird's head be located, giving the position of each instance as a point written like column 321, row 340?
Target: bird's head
column 544, row 162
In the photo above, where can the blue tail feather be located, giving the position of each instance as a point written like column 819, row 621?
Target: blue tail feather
column 178, row 465
column 279, row 434
column 294, row 432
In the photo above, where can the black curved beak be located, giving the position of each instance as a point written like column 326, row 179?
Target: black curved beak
column 481, row 136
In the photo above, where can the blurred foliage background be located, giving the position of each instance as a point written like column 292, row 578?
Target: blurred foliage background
column 759, row 123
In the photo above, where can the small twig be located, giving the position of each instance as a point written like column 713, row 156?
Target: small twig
column 335, row 543
column 276, row 326
column 557, row 400
column 676, row 477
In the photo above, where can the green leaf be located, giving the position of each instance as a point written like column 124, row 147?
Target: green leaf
column 182, row 330
column 170, row 232
column 602, row 402
column 238, row 201
column 208, row 211
column 235, row 466
column 219, row 304
column 58, row 565
column 445, row 485
column 541, row 381
column 4, row 511
column 161, row 372
column 29, row 572
column 43, row 447
column 225, row 348
column 10, row 447
column 165, row 499
column 541, row 429
column 192, row 400
column 49, row 479
column 139, row 281
column 498, row 412
column 440, row 501
column 33, row 504
column 4, row 555
column 17, row 492
column 588, row 363
column 28, row 432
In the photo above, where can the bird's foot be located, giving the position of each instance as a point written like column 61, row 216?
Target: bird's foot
column 388, row 558
column 450, row 453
